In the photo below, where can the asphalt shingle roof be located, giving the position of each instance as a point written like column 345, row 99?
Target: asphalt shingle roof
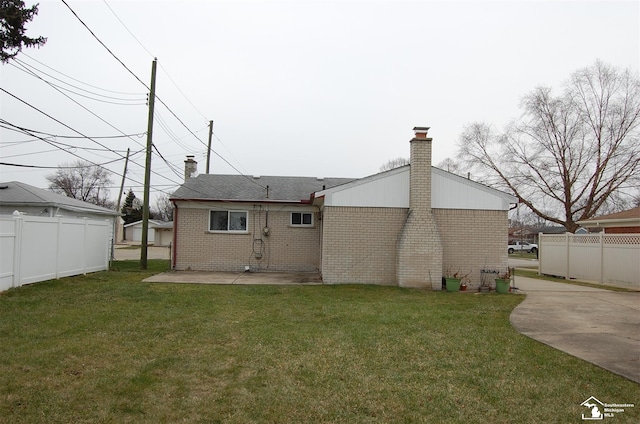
column 21, row 194
column 240, row 187
column 629, row 213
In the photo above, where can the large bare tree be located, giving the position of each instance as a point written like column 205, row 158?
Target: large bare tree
column 394, row 163
column 164, row 208
column 83, row 181
column 569, row 157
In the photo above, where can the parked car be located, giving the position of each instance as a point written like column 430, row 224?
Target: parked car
column 522, row 246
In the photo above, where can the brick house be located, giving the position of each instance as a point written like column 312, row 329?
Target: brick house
column 624, row 222
column 405, row 227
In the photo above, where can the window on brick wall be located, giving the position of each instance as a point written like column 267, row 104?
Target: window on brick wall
column 231, row 221
column 302, row 219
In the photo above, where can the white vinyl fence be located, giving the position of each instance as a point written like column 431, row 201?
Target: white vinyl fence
column 603, row 258
column 35, row 249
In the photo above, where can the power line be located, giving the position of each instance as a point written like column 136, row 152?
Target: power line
column 157, row 97
column 67, row 126
column 100, row 165
column 31, row 70
column 79, row 81
column 104, row 45
column 152, row 55
column 128, row 30
column 22, row 129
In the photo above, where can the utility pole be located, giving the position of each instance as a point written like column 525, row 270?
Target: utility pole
column 124, row 173
column 147, row 169
column 209, row 147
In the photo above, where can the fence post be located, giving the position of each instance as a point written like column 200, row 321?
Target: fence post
column 540, row 237
column 58, row 247
column 85, row 244
column 568, row 253
column 17, row 251
column 601, row 234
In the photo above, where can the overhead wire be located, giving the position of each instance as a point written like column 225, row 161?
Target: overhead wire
column 21, row 129
column 157, row 97
column 31, row 70
column 72, row 129
column 152, row 55
column 175, row 183
column 77, row 80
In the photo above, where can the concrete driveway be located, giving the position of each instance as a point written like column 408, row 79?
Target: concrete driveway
column 597, row 325
column 124, row 252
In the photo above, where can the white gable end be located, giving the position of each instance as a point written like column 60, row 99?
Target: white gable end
column 391, row 190
column 388, row 190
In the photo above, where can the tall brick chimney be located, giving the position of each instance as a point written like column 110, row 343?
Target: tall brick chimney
column 419, row 250
column 190, row 167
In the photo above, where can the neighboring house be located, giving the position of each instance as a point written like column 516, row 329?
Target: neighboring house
column 530, row 233
column 34, row 201
column 160, row 233
column 407, row 226
column 625, row 222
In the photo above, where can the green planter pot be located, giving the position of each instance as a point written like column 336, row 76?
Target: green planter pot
column 453, row 284
column 502, row 286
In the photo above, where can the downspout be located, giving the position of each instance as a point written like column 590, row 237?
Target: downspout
column 175, row 235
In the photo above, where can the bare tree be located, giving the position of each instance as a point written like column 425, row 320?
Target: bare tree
column 164, row 208
column 394, row 163
column 450, row 165
column 83, row 181
column 570, row 156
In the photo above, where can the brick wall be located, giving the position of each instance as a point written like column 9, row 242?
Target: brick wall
column 473, row 240
column 359, row 244
column 286, row 248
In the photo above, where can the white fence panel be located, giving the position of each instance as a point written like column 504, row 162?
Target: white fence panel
column 621, row 259
column 604, row 258
column 42, row 248
column 38, row 252
column 96, row 251
column 7, row 252
column 554, row 254
column 584, row 257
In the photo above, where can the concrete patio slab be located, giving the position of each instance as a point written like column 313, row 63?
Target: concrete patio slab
column 243, row 278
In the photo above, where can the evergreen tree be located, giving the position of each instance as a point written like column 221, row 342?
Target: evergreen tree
column 132, row 208
column 13, row 17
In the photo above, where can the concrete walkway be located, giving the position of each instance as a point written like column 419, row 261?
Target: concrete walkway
column 597, row 325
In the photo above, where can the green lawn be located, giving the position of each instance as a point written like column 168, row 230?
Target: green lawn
column 108, row 348
column 523, row 255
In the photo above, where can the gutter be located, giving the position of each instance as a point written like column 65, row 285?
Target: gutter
column 303, row 201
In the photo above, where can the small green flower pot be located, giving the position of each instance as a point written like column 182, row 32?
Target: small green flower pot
column 453, row 284
column 502, row 286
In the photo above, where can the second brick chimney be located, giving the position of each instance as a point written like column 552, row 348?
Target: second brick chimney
column 419, row 250
column 190, row 167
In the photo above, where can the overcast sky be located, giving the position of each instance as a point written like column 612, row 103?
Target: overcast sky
column 305, row 88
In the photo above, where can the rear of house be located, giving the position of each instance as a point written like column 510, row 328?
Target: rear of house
column 406, row 227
